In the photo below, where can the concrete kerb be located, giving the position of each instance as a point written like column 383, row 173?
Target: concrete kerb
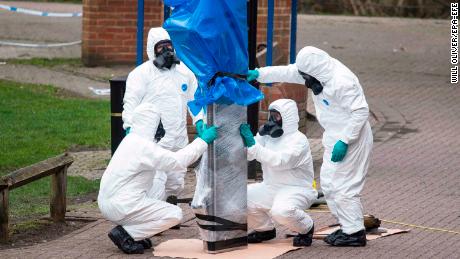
column 389, row 121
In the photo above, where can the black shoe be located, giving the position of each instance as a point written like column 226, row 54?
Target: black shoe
column 304, row 239
column 258, row 237
column 343, row 239
column 124, row 241
column 146, row 243
column 331, row 237
column 173, row 200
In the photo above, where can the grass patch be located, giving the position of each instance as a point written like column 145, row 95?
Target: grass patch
column 33, row 199
column 47, row 62
column 37, row 124
column 27, row 225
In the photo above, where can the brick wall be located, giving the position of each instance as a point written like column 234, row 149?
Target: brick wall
column 109, row 37
column 109, row 30
column 281, row 25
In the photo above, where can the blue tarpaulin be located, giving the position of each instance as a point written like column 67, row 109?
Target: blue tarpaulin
column 211, row 38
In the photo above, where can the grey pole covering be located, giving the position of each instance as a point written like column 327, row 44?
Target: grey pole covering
column 220, row 200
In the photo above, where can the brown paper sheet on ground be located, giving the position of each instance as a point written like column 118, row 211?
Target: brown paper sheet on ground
column 193, row 248
column 380, row 232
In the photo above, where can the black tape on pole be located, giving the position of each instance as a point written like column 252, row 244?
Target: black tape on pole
column 225, row 224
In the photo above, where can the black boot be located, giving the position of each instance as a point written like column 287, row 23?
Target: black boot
column 331, row 237
column 304, row 239
column 146, row 243
column 258, row 237
column 173, row 200
column 343, row 239
column 124, row 241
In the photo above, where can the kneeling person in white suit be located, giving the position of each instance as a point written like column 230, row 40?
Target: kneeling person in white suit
column 287, row 189
column 123, row 197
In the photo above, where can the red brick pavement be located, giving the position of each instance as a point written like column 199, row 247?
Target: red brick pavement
column 414, row 175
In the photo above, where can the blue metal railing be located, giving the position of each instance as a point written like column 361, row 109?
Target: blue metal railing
column 140, row 33
column 270, row 17
column 292, row 48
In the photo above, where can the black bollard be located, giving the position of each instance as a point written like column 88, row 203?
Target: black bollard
column 117, row 91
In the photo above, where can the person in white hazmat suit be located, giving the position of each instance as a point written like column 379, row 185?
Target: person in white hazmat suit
column 342, row 111
column 287, row 187
column 166, row 82
column 123, row 195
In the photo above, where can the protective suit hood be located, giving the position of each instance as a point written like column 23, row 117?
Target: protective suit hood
column 316, row 63
column 155, row 35
column 145, row 121
column 289, row 114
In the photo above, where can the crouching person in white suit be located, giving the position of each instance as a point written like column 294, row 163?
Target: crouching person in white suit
column 123, row 197
column 287, row 189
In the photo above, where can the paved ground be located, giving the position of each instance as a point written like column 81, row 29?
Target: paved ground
column 18, row 27
column 414, row 177
column 23, row 28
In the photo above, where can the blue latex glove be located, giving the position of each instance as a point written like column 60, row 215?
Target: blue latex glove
column 200, row 127
column 252, row 75
column 246, row 134
column 127, row 131
column 209, row 134
column 339, row 151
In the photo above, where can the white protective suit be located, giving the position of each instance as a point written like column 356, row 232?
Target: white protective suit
column 169, row 90
column 287, row 165
column 123, row 195
column 342, row 111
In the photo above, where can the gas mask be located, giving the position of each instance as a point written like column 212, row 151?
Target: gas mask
column 160, row 133
column 273, row 127
column 312, row 83
column 164, row 55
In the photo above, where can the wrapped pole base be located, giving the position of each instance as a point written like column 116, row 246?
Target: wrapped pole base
column 226, row 245
column 220, row 200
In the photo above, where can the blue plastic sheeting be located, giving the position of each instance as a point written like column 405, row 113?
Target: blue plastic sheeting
column 209, row 37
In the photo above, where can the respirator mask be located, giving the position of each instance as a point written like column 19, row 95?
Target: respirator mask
column 164, row 55
column 273, row 127
column 312, row 83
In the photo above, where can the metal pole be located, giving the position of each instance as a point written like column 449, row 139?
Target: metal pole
column 166, row 12
column 252, row 33
column 140, row 32
column 226, row 183
column 253, row 109
column 270, row 17
column 292, row 49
